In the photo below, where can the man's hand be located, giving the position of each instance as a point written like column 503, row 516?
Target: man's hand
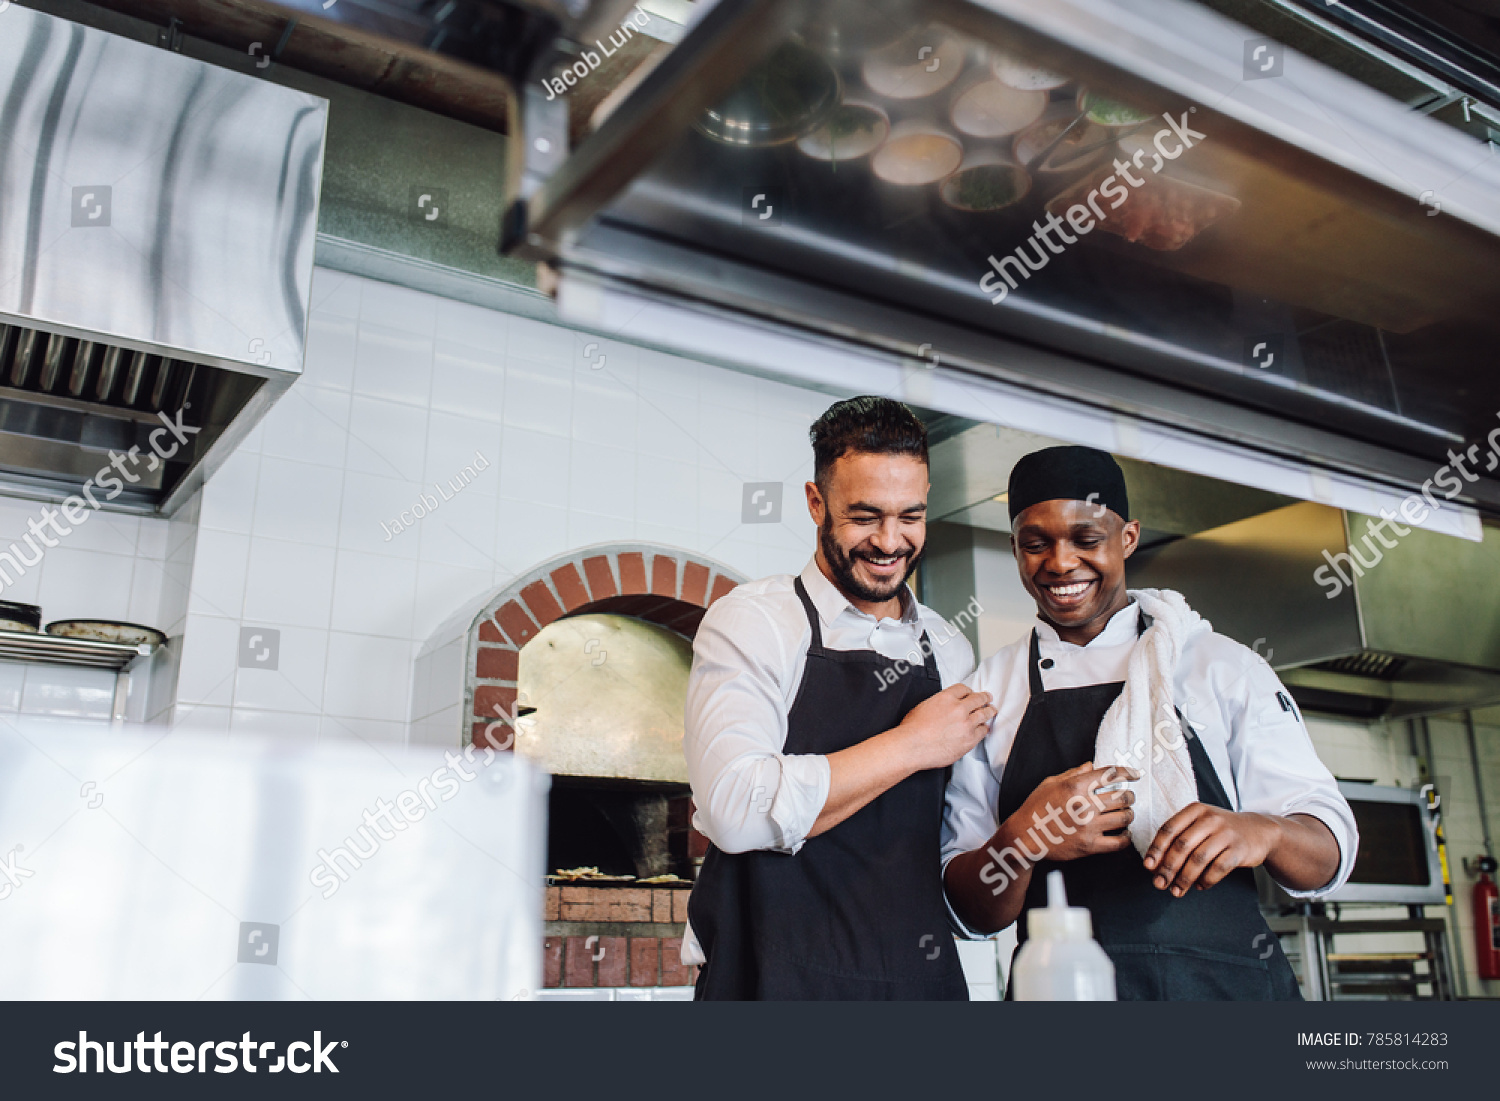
column 934, row 734
column 1066, row 815
column 943, row 727
column 1066, row 806
column 1199, row 845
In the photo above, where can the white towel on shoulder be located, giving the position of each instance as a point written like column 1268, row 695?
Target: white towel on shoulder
column 1141, row 729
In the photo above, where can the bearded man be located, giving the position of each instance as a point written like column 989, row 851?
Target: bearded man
column 823, row 713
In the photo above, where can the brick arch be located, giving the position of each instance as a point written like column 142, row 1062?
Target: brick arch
column 660, row 584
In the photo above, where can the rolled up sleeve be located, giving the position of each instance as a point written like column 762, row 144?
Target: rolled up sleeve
column 749, row 794
column 1277, row 770
column 969, row 820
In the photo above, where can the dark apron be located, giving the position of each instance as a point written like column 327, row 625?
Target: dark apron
column 857, row 913
column 1211, row 945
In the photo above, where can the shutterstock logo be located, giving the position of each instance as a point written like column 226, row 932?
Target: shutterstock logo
column 192, row 1057
column 91, row 206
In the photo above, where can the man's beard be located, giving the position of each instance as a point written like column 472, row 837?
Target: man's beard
column 842, row 566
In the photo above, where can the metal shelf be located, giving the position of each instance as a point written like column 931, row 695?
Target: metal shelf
column 117, row 657
column 55, row 650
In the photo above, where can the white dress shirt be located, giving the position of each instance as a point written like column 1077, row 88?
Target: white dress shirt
column 747, row 665
column 1230, row 697
column 748, row 658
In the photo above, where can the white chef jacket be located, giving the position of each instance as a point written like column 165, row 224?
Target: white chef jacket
column 1227, row 693
column 748, row 658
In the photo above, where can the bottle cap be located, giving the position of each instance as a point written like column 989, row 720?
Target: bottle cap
column 1057, row 920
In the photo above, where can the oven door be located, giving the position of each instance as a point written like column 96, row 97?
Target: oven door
column 1398, row 860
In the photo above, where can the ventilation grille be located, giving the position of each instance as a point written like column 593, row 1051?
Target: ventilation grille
column 89, row 371
column 1366, row 663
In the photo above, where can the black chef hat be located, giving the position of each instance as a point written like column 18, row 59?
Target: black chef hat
column 1069, row 473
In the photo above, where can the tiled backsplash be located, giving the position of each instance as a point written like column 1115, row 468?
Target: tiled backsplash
column 302, row 530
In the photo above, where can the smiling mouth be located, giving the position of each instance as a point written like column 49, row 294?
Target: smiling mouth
column 1070, row 594
column 882, row 563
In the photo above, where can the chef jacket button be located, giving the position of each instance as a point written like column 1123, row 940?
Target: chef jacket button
column 1047, row 663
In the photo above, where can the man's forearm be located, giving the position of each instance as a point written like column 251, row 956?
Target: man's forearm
column 987, row 887
column 1305, row 855
column 860, row 774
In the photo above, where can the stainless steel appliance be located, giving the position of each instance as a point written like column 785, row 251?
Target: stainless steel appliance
column 1353, row 626
column 1307, row 272
column 157, row 223
column 1398, row 859
column 1398, row 863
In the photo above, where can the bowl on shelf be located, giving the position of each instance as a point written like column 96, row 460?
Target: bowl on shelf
column 921, row 64
column 20, row 617
column 854, row 131
column 986, row 183
column 986, row 108
column 917, row 153
column 789, row 94
column 1022, row 74
column 104, row 630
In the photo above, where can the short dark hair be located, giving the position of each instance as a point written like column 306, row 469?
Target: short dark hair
column 874, row 426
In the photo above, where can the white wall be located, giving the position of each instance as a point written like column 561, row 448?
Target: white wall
column 400, row 390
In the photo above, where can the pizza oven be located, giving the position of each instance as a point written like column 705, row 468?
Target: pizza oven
column 582, row 665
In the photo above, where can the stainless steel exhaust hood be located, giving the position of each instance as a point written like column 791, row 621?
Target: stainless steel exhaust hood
column 1357, row 622
column 157, row 223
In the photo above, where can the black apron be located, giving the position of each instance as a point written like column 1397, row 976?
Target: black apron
column 1211, row 945
column 857, row 913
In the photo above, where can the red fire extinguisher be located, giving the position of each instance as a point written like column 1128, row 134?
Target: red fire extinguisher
column 1487, row 921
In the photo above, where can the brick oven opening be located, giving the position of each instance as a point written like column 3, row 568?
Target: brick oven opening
column 621, row 828
column 603, row 696
column 588, row 656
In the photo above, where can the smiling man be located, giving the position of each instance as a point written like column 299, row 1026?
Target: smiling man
column 1205, row 768
column 820, row 784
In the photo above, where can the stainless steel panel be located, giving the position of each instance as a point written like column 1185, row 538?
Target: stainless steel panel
column 971, row 471
column 1253, row 580
column 154, row 201
column 1331, row 245
column 1433, row 596
column 1418, row 631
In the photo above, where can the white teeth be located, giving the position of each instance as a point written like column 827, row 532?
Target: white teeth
column 1069, row 590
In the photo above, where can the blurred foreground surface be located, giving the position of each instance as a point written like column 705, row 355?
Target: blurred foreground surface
column 164, row 864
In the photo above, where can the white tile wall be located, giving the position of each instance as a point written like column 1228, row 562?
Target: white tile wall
column 400, row 391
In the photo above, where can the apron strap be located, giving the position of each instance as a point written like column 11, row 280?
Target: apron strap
column 929, row 656
column 812, row 613
column 1033, row 667
column 924, row 644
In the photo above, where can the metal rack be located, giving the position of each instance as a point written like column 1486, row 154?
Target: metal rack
column 120, row 657
column 1332, row 976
